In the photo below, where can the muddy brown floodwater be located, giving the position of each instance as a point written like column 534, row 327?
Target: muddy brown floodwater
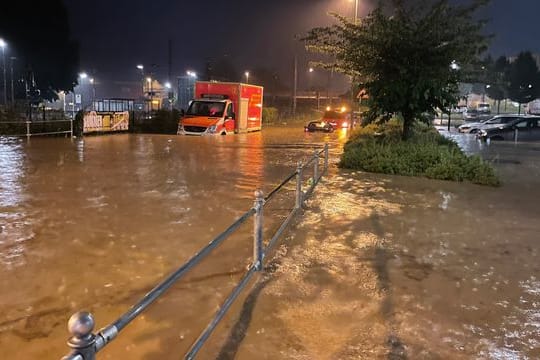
column 375, row 267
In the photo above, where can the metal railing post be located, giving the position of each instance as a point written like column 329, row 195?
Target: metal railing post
column 299, row 195
column 258, row 231
column 28, row 129
column 326, row 157
column 315, row 168
column 516, row 135
column 82, row 341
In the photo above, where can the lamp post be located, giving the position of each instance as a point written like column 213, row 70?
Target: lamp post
column 149, row 81
column 93, row 83
column 355, row 10
column 3, row 46
column 170, row 96
column 13, row 58
column 82, row 76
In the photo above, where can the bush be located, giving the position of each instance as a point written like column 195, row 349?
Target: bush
column 270, row 115
column 379, row 149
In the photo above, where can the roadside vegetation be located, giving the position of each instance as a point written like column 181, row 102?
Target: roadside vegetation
column 426, row 153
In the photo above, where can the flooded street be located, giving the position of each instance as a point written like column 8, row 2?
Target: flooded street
column 376, row 266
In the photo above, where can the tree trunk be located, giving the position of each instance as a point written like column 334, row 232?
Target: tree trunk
column 408, row 121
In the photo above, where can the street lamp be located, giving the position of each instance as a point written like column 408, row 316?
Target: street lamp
column 13, row 58
column 92, row 82
column 149, row 81
column 355, row 10
column 3, row 46
column 247, row 77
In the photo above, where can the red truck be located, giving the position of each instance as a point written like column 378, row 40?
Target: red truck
column 223, row 108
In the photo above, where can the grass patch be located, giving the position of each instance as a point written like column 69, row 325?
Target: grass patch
column 379, row 149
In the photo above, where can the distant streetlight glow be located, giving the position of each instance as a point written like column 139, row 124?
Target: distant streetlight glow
column 247, row 77
column 83, row 75
column 91, row 80
column 193, row 74
column 168, row 85
column 311, row 69
column 140, row 67
column 148, row 80
column 3, row 44
column 454, row 65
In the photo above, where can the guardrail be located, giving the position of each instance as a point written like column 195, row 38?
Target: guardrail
column 28, row 127
column 85, row 344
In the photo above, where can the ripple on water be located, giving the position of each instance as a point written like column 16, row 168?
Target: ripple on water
column 15, row 232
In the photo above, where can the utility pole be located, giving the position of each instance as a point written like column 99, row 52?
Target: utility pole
column 295, row 86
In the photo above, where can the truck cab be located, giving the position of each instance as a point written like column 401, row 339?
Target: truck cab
column 208, row 116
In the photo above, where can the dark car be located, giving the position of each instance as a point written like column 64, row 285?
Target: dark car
column 319, row 126
column 525, row 129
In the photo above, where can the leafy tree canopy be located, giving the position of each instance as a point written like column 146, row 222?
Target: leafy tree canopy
column 523, row 79
column 38, row 34
column 409, row 57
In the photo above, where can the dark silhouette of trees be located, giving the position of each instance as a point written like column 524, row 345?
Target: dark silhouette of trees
column 38, row 34
column 523, row 79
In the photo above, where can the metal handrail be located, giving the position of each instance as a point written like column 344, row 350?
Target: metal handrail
column 40, row 122
column 85, row 344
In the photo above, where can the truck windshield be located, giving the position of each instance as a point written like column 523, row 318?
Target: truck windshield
column 206, row 108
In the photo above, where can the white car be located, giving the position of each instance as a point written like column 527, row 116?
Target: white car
column 475, row 127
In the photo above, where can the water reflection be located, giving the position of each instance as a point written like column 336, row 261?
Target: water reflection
column 11, row 165
column 15, row 229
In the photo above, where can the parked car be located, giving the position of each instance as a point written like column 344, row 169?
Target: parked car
column 319, row 126
column 525, row 129
column 475, row 127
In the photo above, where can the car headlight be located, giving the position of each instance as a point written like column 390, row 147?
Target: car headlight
column 212, row 129
column 345, row 124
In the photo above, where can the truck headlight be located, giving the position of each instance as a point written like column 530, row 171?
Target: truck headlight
column 212, row 129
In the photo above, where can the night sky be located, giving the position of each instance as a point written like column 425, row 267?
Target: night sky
column 116, row 35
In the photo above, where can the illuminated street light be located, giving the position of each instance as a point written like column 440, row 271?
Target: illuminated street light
column 83, row 75
column 3, row 45
column 193, row 74
column 311, row 69
column 148, row 79
column 168, row 85
column 140, row 67
column 355, row 10
column 247, row 77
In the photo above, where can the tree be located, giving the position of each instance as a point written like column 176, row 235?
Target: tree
column 497, row 86
column 38, row 34
column 523, row 79
column 410, row 58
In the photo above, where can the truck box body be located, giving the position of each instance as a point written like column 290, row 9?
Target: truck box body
column 244, row 116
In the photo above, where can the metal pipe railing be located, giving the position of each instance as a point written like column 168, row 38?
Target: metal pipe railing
column 28, row 132
column 85, row 344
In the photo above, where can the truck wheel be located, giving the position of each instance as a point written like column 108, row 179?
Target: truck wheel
column 223, row 133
